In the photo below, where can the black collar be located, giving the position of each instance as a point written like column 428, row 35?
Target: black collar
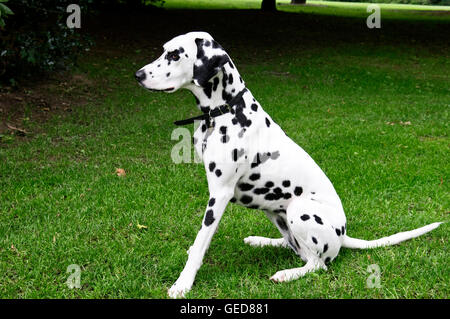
column 218, row 111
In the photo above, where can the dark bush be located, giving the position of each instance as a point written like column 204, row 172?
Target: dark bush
column 36, row 38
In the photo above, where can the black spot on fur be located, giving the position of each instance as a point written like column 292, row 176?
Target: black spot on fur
column 343, row 230
column 209, row 217
column 207, row 89
column 245, row 187
column 257, row 160
column 218, row 172
column 260, row 191
column 286, row 183
column 224, row 80
column 314, row 240
column 241, row 118
column 318, row 220
column 254, row 176
column 235, row 154
column 325, row 248
column 338, row 232
column 212, row 166
column 211, row 202
column 287, row 195
column 223, row 130
column 298, row 191
column 304, row 217
column 167, row 74
column 269, row 184
column 230, row 79
column 225, row 138
column 233, row 200
column 246, row 199
column 254, row 107
column 215, row 83
column 267, row 122
column 271, row 196
column 327, row 260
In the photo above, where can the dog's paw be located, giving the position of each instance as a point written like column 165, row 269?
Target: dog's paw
column 179, row 290
column 281, row 276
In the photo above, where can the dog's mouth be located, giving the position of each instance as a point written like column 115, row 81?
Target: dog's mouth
column 162, row 90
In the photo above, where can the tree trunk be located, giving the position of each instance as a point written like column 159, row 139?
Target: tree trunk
column 269, row 5
column 298, row 1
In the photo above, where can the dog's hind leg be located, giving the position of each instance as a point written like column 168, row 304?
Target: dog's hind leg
column 314, row 227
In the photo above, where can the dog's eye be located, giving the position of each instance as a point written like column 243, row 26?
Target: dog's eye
column 174, row 56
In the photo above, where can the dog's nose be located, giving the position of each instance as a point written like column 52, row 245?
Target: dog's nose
column 140, row 75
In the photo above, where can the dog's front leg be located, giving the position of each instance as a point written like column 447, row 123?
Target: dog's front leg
column 214, row 211
column 222, row 179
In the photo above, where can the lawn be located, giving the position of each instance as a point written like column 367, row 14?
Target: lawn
column 370, row 106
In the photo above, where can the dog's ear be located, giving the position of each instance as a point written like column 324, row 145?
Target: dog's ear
column 211, row 57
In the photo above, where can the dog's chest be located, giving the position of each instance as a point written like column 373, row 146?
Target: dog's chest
column 220, row 137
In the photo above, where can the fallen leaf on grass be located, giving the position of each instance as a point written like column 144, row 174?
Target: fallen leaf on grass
column 141, row 226
column 120, row 172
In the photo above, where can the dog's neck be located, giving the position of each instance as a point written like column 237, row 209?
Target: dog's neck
column 219, row 90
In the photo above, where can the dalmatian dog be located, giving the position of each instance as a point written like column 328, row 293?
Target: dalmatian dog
column 249, row 160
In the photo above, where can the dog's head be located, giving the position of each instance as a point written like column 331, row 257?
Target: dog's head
column 189, row 59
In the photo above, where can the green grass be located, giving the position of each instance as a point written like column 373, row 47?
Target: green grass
column 61, row 202
column 335, row 8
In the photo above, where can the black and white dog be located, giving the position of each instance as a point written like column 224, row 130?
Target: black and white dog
column 250, row 160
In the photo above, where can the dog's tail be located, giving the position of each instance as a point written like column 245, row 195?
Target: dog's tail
column 350, row 242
